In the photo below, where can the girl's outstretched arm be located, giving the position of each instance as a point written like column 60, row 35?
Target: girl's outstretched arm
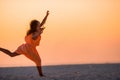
column 45, row 18
column 35, row 35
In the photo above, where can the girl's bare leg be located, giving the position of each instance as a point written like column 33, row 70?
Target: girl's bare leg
column 37, row 61
column 11, row 54
column 39, row 68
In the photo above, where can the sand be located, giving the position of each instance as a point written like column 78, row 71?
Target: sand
column 63, row 72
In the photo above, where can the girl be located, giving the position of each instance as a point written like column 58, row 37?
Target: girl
column 32, row 40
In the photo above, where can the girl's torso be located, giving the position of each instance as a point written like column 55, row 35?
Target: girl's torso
column 29, row 40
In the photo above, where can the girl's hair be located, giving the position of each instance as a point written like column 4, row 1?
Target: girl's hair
column 33, row 27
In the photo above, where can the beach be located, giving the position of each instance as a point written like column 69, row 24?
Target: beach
column 63, row 72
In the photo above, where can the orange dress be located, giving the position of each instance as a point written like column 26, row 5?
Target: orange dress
column 29, row 49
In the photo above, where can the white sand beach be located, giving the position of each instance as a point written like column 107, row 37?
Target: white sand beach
column 63, row 72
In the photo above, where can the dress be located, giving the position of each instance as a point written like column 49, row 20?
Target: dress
column 29, row 48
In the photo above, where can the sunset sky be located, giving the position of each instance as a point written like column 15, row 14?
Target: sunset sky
column 77, row 31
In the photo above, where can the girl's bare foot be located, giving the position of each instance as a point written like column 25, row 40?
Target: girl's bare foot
column 42, row 75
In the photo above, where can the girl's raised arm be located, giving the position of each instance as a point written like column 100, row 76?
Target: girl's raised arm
column 44, row 20
column 36, row 34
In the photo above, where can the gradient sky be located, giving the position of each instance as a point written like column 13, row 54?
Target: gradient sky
column 77, row 31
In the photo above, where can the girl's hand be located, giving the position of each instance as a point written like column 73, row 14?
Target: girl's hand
column 47, row 13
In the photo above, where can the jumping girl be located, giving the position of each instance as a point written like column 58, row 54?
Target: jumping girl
column 32, row 40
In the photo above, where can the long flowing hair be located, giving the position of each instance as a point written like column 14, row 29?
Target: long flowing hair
column 33, row 27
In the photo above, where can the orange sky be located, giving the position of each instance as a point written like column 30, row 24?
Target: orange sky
column 77, row 31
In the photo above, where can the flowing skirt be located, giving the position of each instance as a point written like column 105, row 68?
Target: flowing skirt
column 30, row 52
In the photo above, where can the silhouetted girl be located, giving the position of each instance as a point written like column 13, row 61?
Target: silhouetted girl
column 32, row 40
